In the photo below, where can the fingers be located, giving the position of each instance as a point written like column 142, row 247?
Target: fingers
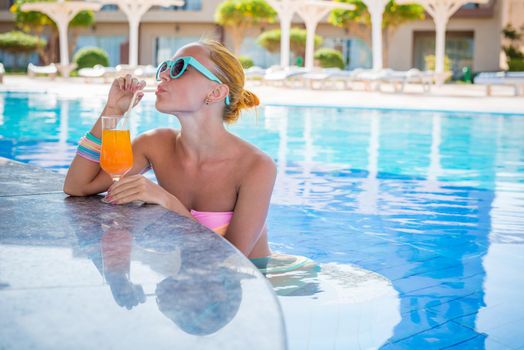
column 138, row 98
column 124, row 180
column 128, row 79
column 131, row 186
column 122, row 185
column 137, row 85
column 128, row 196
column 121, row 82
column 130, row 83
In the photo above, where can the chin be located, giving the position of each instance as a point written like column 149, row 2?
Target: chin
column 159, row 106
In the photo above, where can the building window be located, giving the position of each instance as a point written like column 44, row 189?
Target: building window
column 471, row 5
column 355, row 51
column 459, row 49
column 109, row 8
column 166, row 46
column 260, row 56
column 6, row 4
column 189, row 5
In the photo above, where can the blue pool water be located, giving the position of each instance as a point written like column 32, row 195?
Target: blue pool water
column 434, row 202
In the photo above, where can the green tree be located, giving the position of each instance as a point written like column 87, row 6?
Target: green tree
column 512, row 49
column 394, row 15
column 36, row 23
column 239, row 15
column 270, row 41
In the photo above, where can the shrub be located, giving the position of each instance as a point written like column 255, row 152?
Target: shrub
column 17, row 41
column 246, row 61
column 329, row 58
column 516, row 65
column 89, row 57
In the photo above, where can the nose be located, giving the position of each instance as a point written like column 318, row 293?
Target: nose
column 164, row 76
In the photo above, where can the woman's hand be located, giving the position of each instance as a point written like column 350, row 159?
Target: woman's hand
column 121, row 93
column 137, row 188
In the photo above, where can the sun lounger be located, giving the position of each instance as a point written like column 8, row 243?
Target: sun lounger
column 97, row 71
column 50, row 70
column 254, row 73
column 399, row 79
column 2, row 72
column 285, row 77
column 328, row 78
column 372, row 78
column 515, row 79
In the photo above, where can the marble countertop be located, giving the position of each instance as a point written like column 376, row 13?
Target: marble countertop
column 79, row 273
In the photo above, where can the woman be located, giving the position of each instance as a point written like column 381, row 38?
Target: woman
column 203, row 171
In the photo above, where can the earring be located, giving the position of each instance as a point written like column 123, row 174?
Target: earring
column 206, row 101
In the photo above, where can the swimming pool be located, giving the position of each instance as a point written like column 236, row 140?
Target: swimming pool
column 434, row 202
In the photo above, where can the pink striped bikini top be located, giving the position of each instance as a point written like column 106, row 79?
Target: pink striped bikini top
column 217, row 221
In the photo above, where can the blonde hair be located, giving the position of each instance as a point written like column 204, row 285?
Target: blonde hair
column 230, row 72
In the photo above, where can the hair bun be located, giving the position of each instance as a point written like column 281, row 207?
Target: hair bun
column 248, row 99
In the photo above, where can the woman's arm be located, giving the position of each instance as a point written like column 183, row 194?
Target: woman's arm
column 252, row 205
column 85, row 177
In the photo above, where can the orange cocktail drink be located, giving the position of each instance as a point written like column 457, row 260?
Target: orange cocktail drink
column 117, row 155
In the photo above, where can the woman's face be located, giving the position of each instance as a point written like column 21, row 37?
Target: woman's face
column 187, row 93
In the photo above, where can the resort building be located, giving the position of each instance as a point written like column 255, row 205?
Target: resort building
column 473, row 37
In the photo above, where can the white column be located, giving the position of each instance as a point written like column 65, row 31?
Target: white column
column 62, row 19
column 285, row 10
column 64, row 46
column 285, row 27
column 311, row 26
column 311, row 14
column 134, row 24
column 441, row 11
column 440, row 48
column 134, row 12
column 504, row 20
column 376, row 10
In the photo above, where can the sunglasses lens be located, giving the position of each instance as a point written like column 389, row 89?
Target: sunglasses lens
column 177, row 68
column 161, row 68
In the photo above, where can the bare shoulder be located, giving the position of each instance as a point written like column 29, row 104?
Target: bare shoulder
column 256, row 164
column 155, row 137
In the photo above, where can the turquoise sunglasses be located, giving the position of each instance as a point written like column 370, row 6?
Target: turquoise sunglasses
column 179, row 66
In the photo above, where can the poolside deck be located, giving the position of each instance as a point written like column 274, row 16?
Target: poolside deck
column 449, row 97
